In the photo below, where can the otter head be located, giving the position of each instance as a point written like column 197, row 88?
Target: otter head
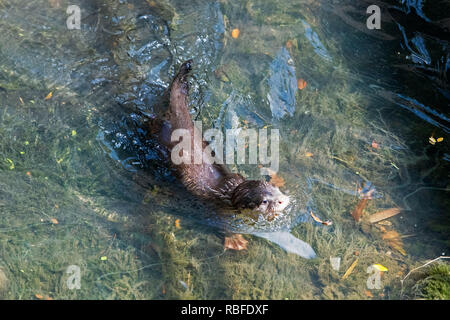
column 260, row 196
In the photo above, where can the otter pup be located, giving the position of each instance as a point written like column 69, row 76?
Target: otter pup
column 213, row 182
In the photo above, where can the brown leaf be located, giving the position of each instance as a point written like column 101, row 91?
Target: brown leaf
column 236, row 242
column 277, row 181
column 385, row 214
column 357, row 213
column 394, row 240
column 388, row 235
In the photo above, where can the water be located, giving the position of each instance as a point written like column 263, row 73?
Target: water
column 80, row 185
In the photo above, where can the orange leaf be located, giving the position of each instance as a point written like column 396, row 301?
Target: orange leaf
column 177, row 224
column 350, row 269
column 236, row 242
column 235, row 33
column 301, row 84
column 276, row 180
column 309, row 154
column 54, row 221
column 317, row 219
column 357, row 213
column 375, row 145
column 49, row 96
column 393, row 239
column 389, row 235
column 39, row 296
column 368, row 293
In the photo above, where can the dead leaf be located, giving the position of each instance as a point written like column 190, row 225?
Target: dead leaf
column 368, row 293
column 394, row 240
column 235, row 33
column 388, row 235
column 276, row 180
column 309, row 154
column 236, row 242
column 39, row 296
column 54, row 221
column 375, row 145
column 291, row 44
column 49, row 96
column 301, row 84
column 177, row 224
column 326, row 223
column 349, row 270
column 357, row 213
column 385, row 214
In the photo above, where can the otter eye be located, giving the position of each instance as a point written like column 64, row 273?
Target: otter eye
column 280, row 202
column 265, row 201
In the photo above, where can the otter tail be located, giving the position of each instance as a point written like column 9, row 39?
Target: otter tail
column 184, row 69
column 289, row 243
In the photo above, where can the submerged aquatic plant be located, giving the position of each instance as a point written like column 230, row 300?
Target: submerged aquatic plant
column 436, row 284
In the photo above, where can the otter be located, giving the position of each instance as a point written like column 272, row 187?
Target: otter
column 213, row 182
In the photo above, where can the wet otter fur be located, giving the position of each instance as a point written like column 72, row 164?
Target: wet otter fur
column 213, row 182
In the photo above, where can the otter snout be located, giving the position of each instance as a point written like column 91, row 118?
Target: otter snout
column 274, row 201
column 260, row 196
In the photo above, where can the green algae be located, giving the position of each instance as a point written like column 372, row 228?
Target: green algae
column 436, row 284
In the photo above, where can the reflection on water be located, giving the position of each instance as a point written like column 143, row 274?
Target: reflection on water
column 82, row 183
